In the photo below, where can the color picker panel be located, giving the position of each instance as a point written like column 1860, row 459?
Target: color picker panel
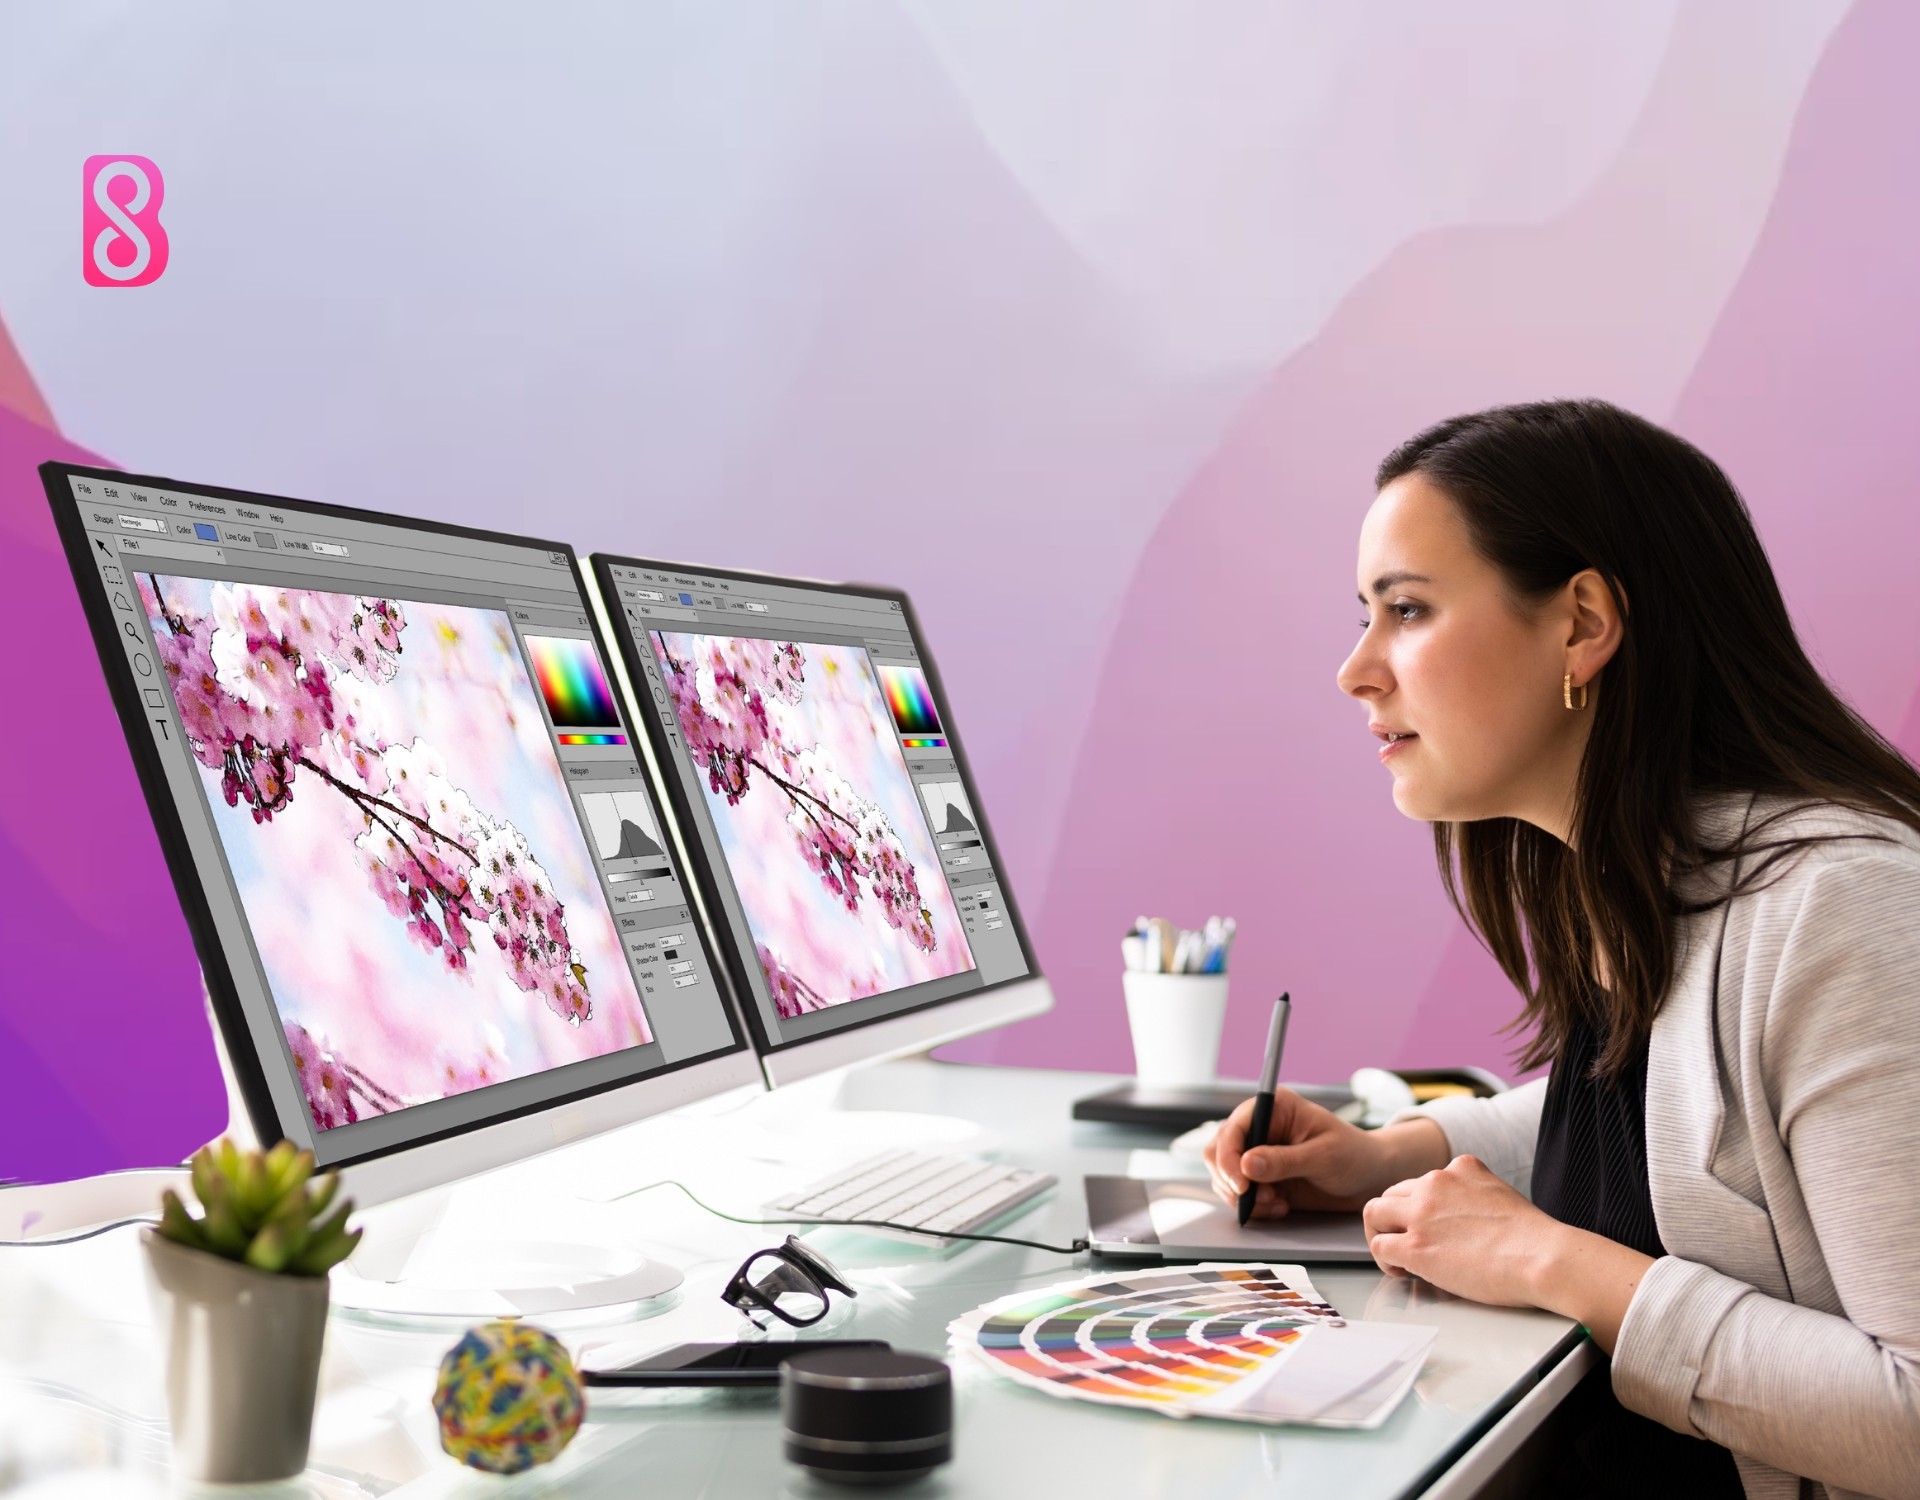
column 574, row 685
column 910, row 699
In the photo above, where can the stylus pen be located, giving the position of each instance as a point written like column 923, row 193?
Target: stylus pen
column 1263, row 1101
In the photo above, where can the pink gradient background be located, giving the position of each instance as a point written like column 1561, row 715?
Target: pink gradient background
column 842, row 714
column 1085, row 330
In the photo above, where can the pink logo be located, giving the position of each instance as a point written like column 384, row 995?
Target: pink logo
column 123, row 241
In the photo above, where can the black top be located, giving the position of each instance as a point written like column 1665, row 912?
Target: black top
column 1590, row 1171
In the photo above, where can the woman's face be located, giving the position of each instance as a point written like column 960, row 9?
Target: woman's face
column 1448, row 660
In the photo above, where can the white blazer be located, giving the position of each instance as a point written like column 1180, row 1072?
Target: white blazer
column 1783, row 1144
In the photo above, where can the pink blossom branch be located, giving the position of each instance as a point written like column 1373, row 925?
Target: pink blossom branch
column 258, row 729
column 174, row 622
column 801, row 796
column 354, row 794
column 367, row 1086
column 848, row 852
column 447, row 899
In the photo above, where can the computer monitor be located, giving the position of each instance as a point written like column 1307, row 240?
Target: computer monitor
column 810, row 754
column 440, row 920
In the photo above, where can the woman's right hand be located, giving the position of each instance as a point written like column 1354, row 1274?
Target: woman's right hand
column 1313, row 1160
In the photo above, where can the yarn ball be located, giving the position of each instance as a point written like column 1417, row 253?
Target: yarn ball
column 508, row 1397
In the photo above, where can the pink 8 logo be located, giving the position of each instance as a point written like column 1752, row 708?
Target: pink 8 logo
column 122, row 241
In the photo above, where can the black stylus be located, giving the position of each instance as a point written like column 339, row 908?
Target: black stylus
column 1263, row 1101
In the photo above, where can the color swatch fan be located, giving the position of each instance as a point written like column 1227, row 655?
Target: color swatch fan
column 1252, row 1343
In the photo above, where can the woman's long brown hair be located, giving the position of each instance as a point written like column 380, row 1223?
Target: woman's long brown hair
column 1710, row 692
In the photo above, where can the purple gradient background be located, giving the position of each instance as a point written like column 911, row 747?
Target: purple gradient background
column 1091, row 342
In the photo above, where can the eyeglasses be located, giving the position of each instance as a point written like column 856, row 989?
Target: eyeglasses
column 790, row 1281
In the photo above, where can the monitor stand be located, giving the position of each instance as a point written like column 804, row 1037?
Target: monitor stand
column 802, row 1124
column 412, row 1265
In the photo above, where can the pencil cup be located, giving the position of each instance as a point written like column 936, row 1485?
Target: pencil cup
column 1176, row 1021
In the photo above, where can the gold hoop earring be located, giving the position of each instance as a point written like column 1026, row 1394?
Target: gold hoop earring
column 1566, row 692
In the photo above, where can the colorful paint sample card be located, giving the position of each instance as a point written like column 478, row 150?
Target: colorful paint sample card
column 1254, row 1343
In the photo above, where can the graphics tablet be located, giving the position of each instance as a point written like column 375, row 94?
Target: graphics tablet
column 1183, row 1219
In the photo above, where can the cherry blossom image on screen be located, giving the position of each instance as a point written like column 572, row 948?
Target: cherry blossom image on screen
column 816, row 811
column 417, row 884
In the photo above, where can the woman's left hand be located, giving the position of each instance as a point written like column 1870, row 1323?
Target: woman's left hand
column 1468, row 1233
column 1463, row 1229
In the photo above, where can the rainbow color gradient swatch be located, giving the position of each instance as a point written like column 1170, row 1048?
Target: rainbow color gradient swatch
column 910, row 700
column 574, row 685
column 593, row 739
column 927, row 742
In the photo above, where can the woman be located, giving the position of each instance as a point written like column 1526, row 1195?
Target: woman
column 1702, row 872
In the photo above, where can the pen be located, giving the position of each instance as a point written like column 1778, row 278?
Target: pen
column 1153, row 945
column 1225, row 948
column 1263, row 1101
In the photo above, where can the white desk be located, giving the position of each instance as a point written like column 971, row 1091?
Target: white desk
column 81, row 1410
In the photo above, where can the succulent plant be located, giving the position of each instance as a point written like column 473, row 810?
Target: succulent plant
column 265, row 1209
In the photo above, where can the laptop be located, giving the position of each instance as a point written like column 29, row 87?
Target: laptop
column 1184, row 1219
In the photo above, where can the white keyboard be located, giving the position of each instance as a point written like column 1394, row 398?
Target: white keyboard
column 918, row 1190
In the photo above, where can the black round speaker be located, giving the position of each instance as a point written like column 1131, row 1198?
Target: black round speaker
column 867, row 1416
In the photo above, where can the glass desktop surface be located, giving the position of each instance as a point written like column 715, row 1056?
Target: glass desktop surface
column 81, row 1404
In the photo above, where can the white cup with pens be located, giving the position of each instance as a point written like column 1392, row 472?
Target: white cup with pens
column 1175, row 984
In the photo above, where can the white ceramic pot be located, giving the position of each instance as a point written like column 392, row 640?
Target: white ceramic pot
column 1176, row 1021
column 243, row 1361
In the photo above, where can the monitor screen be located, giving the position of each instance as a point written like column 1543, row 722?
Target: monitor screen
column 426, row 874
column 810, row 751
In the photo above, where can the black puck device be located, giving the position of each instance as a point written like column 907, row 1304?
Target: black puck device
column 866, row 1416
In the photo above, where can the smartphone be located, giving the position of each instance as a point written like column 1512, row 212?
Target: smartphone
column 719, row 1364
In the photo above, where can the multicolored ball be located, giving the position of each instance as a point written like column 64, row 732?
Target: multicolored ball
column 508, row 1397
